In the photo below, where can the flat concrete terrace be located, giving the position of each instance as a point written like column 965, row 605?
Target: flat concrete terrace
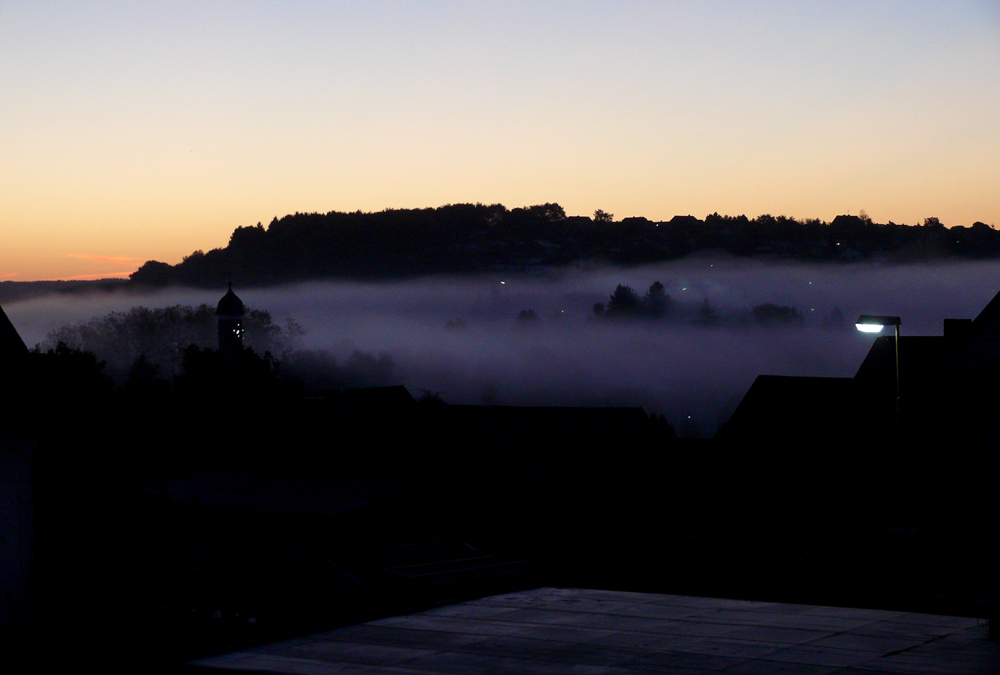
column 553, row 630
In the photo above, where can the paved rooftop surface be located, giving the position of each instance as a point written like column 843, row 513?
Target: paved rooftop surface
column 553, row 630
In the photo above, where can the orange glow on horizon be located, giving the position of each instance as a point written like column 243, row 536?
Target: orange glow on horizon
column 93, row 277
column 130, row 262
column 115, row 259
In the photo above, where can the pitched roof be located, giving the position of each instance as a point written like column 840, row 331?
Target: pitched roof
column 918, row 355
column 12, row 347
column 779, row 406
column 989, row 316
column 981, row 347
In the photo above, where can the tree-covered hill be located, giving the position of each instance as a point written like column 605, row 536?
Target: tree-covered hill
column 474, row 238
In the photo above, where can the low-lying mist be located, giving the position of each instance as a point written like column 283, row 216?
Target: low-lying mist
column 462, row 338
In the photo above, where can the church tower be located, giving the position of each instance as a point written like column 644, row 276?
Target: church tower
column 230, row 313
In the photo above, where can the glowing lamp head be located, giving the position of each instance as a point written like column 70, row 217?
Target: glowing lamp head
column 870, row 323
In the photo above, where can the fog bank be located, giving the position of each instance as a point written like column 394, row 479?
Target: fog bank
column 693, row 374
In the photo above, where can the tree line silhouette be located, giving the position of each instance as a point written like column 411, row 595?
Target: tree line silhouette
column 145, row 350
column 656, row 303
column 476, row 238
column 626, row 303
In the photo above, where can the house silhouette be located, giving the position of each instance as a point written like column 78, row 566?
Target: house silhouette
column 824, row 462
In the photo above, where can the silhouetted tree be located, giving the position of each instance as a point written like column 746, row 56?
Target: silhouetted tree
column 143, row 379
column 68, row 373
column 153, row 273
column 161, row 334
column 430, row 399
column 623, row 302
column 317, row 369
column 469, row 238
column 549, row 212
column 211, row 374
column 247, row 237
column 656, row 303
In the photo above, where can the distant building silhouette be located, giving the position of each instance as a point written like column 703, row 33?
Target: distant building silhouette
column 230, row 313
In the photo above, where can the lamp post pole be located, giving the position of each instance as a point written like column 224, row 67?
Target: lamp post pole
column 899, row 413
column 874, row 324
column 871, row 323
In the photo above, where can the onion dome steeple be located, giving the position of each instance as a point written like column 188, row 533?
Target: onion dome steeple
column 229, row 313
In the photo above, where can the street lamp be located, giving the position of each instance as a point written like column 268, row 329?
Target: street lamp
column 873, row 323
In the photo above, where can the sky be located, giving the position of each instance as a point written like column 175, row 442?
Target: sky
column 136, row 131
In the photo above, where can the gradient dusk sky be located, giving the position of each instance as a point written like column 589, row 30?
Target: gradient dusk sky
column 145, row 130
